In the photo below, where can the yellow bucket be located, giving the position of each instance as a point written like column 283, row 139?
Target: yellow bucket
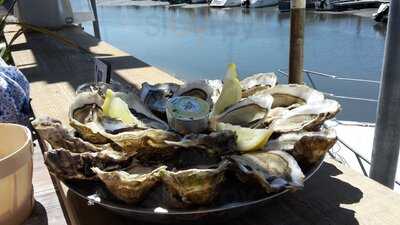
column 16, row 195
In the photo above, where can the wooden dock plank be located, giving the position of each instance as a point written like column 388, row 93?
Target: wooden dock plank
column 335, row 195
column 47, row 208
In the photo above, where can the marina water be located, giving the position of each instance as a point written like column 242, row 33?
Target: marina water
column 199, row 42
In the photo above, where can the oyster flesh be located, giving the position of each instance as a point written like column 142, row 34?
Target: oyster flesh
column 247, row 111
column 286, row 95
column 129, row 187
column 274, row 114
column 84, row 116
column 200, row 89
column 156, row 96
column 273, row 170
column 143, row 113
column 257, row 82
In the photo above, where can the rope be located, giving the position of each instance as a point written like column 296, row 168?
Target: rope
column 2, row 23
column 341, row 77
column 308, row 73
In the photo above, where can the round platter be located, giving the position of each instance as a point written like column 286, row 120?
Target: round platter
column 93, row 192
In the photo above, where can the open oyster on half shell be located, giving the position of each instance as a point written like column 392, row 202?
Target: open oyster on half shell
column 257, row 82
column 256, row 134
column 86, row 116
column 273, row 170
column 291, row 95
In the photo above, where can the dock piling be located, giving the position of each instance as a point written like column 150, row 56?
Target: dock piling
column 296, row 50
column 386, row 145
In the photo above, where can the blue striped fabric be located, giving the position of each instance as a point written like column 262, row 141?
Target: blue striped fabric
column 14, row 95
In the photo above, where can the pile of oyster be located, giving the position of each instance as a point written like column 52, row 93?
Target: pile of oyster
column 137, row 159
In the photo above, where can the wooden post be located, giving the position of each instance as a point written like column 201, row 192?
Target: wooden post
column 296, row 51
column 385, row 151
column 96, row 27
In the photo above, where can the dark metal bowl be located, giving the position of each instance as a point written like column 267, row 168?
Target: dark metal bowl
column 93, row 194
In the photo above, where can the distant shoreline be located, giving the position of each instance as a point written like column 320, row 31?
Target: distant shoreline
column 130, row 3
column 361, row 12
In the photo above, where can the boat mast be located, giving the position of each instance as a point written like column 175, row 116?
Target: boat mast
column 96, row 27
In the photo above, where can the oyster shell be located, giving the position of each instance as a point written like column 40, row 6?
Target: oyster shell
column 69, row 165
column 86, row 117
column 257, row 82
column 156, row 96
column 287, row 95
column 247, row 111
column 194, row 186
column 129, row 187
column 308, row 147
column 273, row 170
column 216, row 85
column 58, row 136
column 220, row 142
column 136, row 141
column 143, row 113
column 308, row 117
column 199, row 88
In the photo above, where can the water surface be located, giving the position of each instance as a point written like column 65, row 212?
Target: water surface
column 195, row 43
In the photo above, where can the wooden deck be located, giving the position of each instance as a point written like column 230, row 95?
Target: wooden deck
column 335, row 195
column 356, row 137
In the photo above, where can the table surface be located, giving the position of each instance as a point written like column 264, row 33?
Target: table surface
column 335, row 195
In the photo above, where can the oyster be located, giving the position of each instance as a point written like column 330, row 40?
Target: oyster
column 69, row 165
column 292, row 94
column 274, row 114
column 143, row 113
column 129, row 187
column 307, row 147
column 58, row 136
column 86, row 117
column 194, row 186
column 257, row 82
column 247, row 111
column 217, row 89
column 273, row 170
column 200, row 89
column 156, row 96
column 136, row 141
column 220, row 142
column 307, row 117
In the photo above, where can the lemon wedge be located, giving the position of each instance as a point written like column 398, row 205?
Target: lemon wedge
column 114, row 107
column 231, row 91
column 247, row 139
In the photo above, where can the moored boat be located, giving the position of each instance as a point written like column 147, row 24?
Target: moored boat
column 259, row 3
column 225, row 3
column 198, row 1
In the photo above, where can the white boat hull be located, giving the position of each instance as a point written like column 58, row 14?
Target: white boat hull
column 225, row 3
column 262, row 3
